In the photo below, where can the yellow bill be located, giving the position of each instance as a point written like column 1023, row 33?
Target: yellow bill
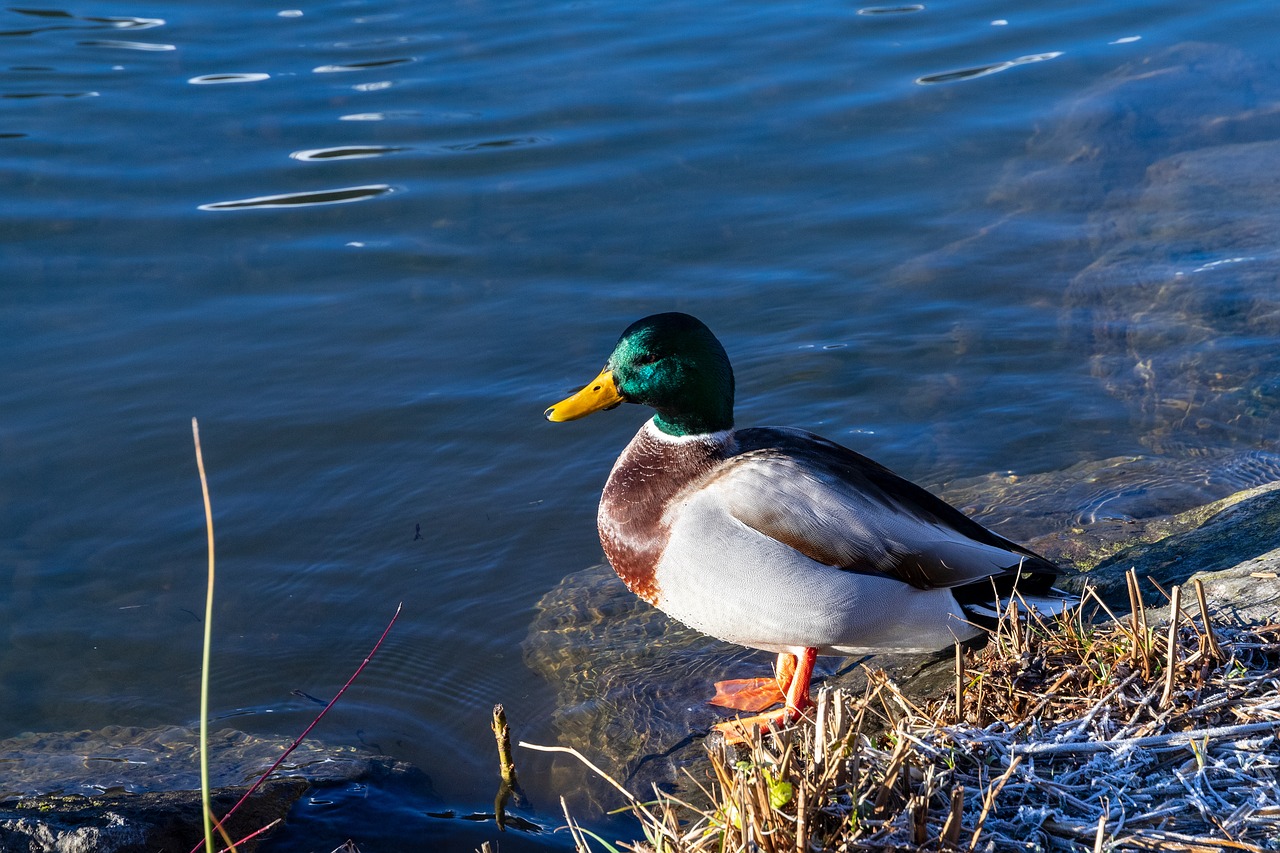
column 600, row 393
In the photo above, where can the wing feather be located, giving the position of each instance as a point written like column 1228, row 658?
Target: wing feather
column 842, row 509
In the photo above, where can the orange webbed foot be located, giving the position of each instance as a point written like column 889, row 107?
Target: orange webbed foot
column 794, row 672
column 757, row 694
column 748, row 694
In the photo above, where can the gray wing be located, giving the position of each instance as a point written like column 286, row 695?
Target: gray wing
column 844, row 510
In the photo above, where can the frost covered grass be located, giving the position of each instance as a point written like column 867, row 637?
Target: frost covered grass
column 1090, row 733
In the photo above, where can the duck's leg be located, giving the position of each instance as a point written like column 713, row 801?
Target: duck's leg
column 756, row 694
column 797, row 702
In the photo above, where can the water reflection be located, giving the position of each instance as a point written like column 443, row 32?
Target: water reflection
column 891, row 10
column 215, row 79
column 359, row 66
column 80, row 22
column 17, row 96
column 305, row 199
column 515, row 142
column 379, row 116
column 128, row 45
column 985, row 70
column 1218, row 263
column 346, row 152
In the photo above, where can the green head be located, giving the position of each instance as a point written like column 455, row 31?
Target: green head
column 670, row 362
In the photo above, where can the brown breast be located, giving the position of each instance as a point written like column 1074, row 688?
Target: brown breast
column 648, row 476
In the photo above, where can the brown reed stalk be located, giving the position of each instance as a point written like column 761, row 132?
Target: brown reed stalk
column 1215, row 649
column 1171, row 651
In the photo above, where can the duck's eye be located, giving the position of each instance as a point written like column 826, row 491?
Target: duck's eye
column 647, row 358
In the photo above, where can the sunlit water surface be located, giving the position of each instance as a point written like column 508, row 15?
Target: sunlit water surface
column 366, row 243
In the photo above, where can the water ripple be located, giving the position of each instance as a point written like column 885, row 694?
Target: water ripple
column 24, row 95
column 79, row 22
column 891, row 10
column 985, row 70
column 214, row 79
column 306, row 199
column 514, row 142
column 128, row 45
column 346, row 152
column 359, row 66
column 382, row 116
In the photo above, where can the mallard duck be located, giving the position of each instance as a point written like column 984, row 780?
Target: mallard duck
column 778, row 539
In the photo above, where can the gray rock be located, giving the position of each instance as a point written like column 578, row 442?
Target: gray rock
column 1247, row 593
column 123, row 789
column 137, row 760
column 136, row 823
column 1224, row 543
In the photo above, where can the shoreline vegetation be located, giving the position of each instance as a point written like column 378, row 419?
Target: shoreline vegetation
column 209, row 819
column 1094, row 732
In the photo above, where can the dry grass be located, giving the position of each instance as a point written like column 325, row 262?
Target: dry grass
column 1065, row 736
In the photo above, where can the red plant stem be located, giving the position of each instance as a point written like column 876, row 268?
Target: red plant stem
column 250, row 836
column 308, row 729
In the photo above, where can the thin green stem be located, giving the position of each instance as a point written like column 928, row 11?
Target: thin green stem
column 208, row 641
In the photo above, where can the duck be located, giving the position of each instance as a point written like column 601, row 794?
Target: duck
column 777, row 539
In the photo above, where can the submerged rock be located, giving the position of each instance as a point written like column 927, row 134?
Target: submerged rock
column 1175, row 161
column 1184, row 311
column 1094, row 149
column 1081, row 515
column 130, row 759
column 123, row 789
column 1153, row 197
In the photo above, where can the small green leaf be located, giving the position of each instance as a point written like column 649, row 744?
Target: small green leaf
column 779, row 793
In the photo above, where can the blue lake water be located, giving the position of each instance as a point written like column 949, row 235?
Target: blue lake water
column 367, row 243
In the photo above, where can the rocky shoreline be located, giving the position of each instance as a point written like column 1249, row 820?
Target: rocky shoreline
column 136, row 790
